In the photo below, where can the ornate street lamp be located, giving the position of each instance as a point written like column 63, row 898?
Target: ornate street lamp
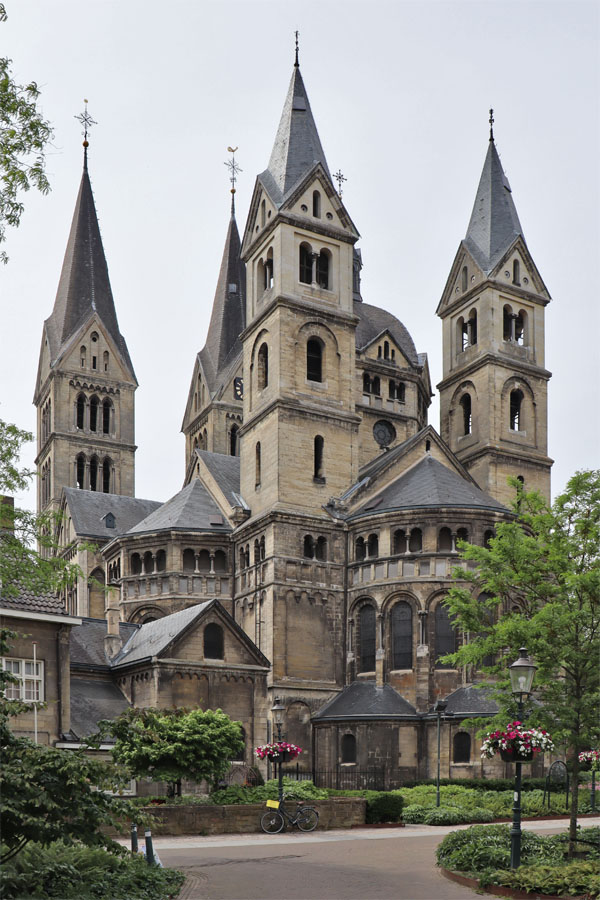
column 278, row 712
column 521, row 672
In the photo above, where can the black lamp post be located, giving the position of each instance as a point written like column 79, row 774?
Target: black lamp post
column 439, row 709
column 278, row 712
column 521, row 680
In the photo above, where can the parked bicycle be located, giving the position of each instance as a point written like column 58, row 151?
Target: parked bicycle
column 306, row 818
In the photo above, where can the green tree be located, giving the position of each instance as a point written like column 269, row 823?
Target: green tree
column 171, row 744
column 538, row 586
column 24, row 134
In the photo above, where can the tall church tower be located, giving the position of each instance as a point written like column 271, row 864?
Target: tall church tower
column 85, row 384
column 493, row 394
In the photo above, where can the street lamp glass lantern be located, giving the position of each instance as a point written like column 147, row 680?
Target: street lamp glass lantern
column 522, row 672
column 278, row 711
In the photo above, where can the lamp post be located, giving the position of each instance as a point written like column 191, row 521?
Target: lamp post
column 439, row 708
column 278, row 713
column 521, row 679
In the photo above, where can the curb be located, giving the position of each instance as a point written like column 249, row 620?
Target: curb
column 191, row 889
column 500, row 891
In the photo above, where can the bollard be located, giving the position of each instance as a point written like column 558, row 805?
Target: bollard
column 134, row 840
column 149, row 847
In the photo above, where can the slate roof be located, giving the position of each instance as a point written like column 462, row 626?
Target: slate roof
column 31, row 601
column 471, row 701
column 89, row 508
column 365, row 700
column 87, row 642
column 494, row 223
column 297, row 144
column 153, row 637
column 228, row 318
column 372, row 321
column 91, row 701
column 191, row 509
column 226, row 472
column 84, row 285
column 430, row 484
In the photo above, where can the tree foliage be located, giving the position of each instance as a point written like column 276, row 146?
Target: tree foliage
column 171, row 744
column 538, row 586
column 24, row 135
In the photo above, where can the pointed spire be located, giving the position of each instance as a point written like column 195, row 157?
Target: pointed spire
column 297, row 145
column 228, row 315
column 494, row 223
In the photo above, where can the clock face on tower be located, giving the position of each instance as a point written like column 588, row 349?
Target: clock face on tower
column 238, row 388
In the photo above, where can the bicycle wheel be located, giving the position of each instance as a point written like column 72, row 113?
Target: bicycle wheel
column 272, row 822
column 308, row 819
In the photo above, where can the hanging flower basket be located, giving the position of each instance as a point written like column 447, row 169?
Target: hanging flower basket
column 588, row 760
column 516, row 744
column 279, row 751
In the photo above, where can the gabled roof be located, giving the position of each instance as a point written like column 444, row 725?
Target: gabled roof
column 192, row 509
column 430, row 484
column 88, row 510
column 84, row 286
column 494, row 223
column 366, row 700
column 297, row 144
column 471, row 701
column 87, row 643
column 372, row 321
column 91, row 701
column 28, row 600
column 228, row 316
column 226, row 472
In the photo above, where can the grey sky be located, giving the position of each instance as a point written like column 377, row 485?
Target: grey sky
column 400, row 93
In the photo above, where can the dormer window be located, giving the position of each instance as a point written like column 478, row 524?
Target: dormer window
column 109, row 520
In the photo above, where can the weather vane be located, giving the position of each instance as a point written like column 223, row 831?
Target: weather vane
column 87, row 122
column 234, row 170
column 296, row 62
column 340, row 180
column 491, row 124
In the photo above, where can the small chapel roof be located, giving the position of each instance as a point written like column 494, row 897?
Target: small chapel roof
column 366, row 700
column 471, row 701
column 91, row 701
column 192, row 509
column 89, row 510
column 151, row 638
column 372, row 321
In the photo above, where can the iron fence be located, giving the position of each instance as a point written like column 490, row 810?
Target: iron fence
column 342, row 779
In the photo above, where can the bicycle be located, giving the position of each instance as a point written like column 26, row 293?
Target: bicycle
column 274, row 820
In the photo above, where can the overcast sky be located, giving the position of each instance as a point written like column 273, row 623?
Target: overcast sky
column 400, row 92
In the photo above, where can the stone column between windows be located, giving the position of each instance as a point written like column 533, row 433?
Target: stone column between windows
column 380, row 652
column 212, row 562
column 313, row 269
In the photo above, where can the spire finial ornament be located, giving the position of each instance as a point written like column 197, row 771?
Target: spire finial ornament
column 296, row 63
column 234, row 169
column 87, row 122
column 340, row 180
column 491, row 124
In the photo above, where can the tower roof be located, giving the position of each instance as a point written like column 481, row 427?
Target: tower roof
column 297, row 145
column 228, row 316
column 494, row 224
column 84, row 285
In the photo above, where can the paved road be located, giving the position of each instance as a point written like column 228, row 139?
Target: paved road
column 361, row 864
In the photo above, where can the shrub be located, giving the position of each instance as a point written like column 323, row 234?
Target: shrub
column 484, row 848
column 297, row 790
column 414, row 814
column 384, row 807
column 481, row 815
column 572, row 879
column 445, row 815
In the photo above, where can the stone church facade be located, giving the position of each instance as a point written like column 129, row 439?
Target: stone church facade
column 319, row 508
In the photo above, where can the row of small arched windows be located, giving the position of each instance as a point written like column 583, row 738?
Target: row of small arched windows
column 46, row 489
column 46, row 420
column 259, row 553
column 314, row 363
column 100, row 414
column 93, row 475
column 372, row 385
column 193, row 561
column 405, row 541
column 515, row 412
column 83, row 358
column 314, row 267
column 315, row 548
column 461, row 748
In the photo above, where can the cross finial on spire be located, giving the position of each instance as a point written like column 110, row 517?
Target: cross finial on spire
column 491, row 124
column 87, row 122
column 234, row 169
column 340, row 180
column 296, row 64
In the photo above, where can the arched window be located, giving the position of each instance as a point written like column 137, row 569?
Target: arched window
column 161, row 561
column 462, row 534
column 386, row 349
column 220, row 561
column 242, row 559
column 319, row 467
column 106, row 474
column 376, row 386
column 247, row 555
column 461, row 747
column 487, row 537
column 213, row 641
column 465, row 279
column 316, row 204
column 106, row 408
column 233, row 440
column 444, row 540
column 269, row 270
column 80, row 420
column 465, row 403
column 520, row 328
column 309, row 546
column 256, row 552
column 321, row 548
column 204, row 561
column 516, row 272
column 314, row 360
column 508, row 324
column 373, row 545
column 360, row 550
column 135, row 564
column 402, row 636
column 445, row 636
column 105, row 360
column 416, row 540
column 366, row 383
column 83, row 356
column 189, row 560
column 400, row 541
column 366, row 626
column 472, row 328
column 94, row 473
column 257, row 465
column 306, row 262
column 323, row 270
column 348, row 748
column 516, row 401
column 263, row 213
column 263, row 367
column 94, row 403
column 148, row 563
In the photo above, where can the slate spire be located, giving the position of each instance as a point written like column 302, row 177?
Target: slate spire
column 494, row 223
column 84, row 286
column 297, row 145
